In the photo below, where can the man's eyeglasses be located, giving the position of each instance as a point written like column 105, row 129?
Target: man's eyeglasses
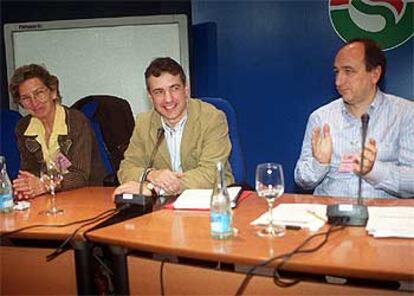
column 39, row 94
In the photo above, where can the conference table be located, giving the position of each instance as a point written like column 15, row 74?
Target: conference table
column 176, row 247
column 23, row 265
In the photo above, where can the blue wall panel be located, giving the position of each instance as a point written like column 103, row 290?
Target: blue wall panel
column 273, row 62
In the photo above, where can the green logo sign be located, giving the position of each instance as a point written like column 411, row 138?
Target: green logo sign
column 389, row 22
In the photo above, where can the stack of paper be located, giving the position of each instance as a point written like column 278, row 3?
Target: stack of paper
column 310, row 216
column 391, row 222
column 199, row 199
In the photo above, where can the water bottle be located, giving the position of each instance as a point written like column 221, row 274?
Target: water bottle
column 6, row 197
column 220, row 208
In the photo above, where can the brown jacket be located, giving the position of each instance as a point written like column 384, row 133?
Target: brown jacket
column 79, row 146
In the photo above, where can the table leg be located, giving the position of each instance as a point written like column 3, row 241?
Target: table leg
column 84, row 269
column 120, row 269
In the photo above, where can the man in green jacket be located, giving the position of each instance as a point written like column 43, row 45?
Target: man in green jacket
column 177, row 144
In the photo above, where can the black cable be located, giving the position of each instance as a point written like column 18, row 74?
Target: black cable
column 104, row 215
column 2, row 235
column 286, row 256
column 116, row 211
column 162, row 276
column 276, row 275
column 103, row 264
column 60, row 249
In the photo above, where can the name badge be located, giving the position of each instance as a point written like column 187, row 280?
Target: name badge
column 62, row 162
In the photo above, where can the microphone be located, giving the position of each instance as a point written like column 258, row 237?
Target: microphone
column 140, row 198
column 351, row 214
column 134, row 205
column 364, row 129
column 160, row 137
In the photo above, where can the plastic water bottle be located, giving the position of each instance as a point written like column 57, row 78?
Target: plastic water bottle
column 6, row 197
column 220, row 208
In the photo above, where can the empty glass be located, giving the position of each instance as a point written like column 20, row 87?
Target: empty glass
column 270, row 185
column 51, row 177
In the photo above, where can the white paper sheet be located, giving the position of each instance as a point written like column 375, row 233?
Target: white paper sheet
column 199, row 199
column 391, row 222
column 310, row 216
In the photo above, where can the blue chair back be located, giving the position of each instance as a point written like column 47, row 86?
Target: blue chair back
column 8, row 145
column 236, row 155
column 116, row 121
column 89, row 109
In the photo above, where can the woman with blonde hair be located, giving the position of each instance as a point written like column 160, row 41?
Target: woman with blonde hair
column 51, row 132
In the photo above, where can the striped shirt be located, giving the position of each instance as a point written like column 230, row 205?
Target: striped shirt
column 173, row 138
column 391, row 125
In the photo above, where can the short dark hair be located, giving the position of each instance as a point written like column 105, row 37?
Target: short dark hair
column 27, row 72
column 162, row 65
column 374, row 56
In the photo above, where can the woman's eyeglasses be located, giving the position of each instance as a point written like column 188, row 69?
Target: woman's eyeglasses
column 39, row 94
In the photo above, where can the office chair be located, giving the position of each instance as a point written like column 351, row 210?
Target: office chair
column 112, row 121
column 236, row 156
column 89, row 110
column 8, row 144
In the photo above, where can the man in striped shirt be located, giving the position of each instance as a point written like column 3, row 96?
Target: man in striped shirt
column 331, row 152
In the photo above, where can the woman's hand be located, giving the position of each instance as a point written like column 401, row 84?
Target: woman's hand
column 27, row 185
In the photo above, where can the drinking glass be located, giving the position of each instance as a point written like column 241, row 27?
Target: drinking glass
column 270, row 185
column 51, row 176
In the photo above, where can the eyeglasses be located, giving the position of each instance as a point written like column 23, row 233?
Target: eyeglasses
column 39, row 94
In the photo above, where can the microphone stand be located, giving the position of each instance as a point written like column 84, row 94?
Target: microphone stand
column 364, row 121
column 351, row 214
column 134, row 205
column 160, row 137
column 140, row 198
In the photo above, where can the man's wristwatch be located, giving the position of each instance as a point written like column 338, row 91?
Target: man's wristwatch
column 146, row 173
column 151, row 188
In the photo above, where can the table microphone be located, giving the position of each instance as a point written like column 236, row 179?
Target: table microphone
column 140, row 199
column 134, row 205
column 351, row 214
